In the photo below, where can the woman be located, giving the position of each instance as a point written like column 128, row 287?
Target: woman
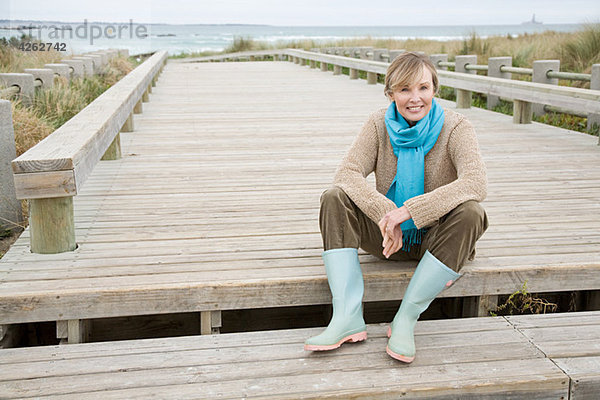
column 430, row 179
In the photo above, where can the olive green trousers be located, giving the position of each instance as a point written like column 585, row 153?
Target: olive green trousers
column 451, row 239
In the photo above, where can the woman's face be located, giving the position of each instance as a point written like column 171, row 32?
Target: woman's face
column 414, row 102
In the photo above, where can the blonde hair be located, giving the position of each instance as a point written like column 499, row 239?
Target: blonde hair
column 406, row 70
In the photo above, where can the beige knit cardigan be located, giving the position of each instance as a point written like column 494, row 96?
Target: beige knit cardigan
column 454, row 170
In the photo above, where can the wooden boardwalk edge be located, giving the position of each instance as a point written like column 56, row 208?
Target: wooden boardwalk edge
column 526, row 357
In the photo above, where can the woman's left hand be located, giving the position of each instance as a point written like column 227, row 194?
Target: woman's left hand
column 391, row 231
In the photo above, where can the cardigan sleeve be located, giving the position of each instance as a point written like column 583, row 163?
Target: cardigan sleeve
column 471, row 182
column 359, row 162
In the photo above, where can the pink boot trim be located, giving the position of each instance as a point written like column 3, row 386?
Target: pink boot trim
column 357, row 337
column 399, row 357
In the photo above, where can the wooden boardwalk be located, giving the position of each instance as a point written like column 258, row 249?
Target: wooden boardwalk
column 214, row 204
column 525, row 357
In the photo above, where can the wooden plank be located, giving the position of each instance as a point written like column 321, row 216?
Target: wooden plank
column 456, row 352
column 45, row 184
column 436, row 382
column 274, row 363
column 554, row 320
column 585, row 376
column 88, row 350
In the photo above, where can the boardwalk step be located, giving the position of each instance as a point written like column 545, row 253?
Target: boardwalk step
column 529, row 357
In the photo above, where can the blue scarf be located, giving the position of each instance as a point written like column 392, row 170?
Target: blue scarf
column 410, row 145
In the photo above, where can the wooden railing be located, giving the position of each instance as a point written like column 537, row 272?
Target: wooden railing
column 53, row 171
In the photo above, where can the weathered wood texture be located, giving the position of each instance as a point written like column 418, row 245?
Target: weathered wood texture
column 572, row 341
column 79, row 144
column 53, row 234
column 214, row 204
column 480, row 358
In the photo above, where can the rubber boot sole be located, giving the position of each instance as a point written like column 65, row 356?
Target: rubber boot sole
column 397, row 356
column 356, row 337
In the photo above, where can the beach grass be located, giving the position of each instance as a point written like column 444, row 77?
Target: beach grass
column 54, row 106
column 14, row 60
column 577, row 50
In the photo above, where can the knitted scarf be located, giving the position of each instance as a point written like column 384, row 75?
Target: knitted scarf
column 410, row 145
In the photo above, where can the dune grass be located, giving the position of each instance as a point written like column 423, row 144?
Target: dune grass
column 53, row 107
column 14, row 60
column 577, row 50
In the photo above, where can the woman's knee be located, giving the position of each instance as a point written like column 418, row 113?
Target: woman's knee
column 471, row 214
column 333, row 197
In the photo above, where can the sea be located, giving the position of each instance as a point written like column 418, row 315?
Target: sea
column 87, row 36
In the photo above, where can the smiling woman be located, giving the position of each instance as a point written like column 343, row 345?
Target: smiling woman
column 429, row 179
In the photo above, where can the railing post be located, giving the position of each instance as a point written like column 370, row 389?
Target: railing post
column 88, row 65
column 521, row 112
column 494, row 65
column 395, row 53
column 51, row 225
column 138, row 108
column 10, row 208
column 145, row 96
column 324, row 66
column 371, row 78
column 540, row 71
column 363, row 53
column 437, row 58
column 24, row 82
column 61, row 70
column 128, row 125
column 353, row 73
column 337, row 69
column 114, row 150
column 377, row 54
column 594, row 119
column 77, row 66
column 464, row 97
column 44, row 75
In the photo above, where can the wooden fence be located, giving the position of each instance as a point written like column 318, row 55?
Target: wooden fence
column 53, row 171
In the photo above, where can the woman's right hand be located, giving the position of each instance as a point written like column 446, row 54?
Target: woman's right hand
column 391, row 231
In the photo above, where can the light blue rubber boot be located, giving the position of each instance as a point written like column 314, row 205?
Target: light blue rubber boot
column 429, row 279
column 346, row 284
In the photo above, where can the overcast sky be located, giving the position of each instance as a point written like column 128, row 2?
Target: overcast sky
column 306, row 12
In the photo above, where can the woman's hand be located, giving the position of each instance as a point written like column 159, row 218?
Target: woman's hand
column 391, row 231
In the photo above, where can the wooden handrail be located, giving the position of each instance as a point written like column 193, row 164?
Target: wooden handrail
column 585, row 100
column 52, row 172
column 72, row 151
